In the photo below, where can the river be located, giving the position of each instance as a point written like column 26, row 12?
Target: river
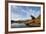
column 18, row 25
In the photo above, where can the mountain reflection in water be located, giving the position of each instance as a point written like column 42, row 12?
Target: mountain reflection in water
column 18, row 25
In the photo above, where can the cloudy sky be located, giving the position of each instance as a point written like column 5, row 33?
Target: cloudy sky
column 24, row 12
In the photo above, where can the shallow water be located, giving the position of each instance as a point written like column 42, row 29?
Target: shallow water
column 18, row 25
column 22, row 25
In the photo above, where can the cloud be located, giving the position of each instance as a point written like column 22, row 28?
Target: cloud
column 36, row 14
column 24, row 12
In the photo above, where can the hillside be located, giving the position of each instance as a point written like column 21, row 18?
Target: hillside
column 32, row 22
